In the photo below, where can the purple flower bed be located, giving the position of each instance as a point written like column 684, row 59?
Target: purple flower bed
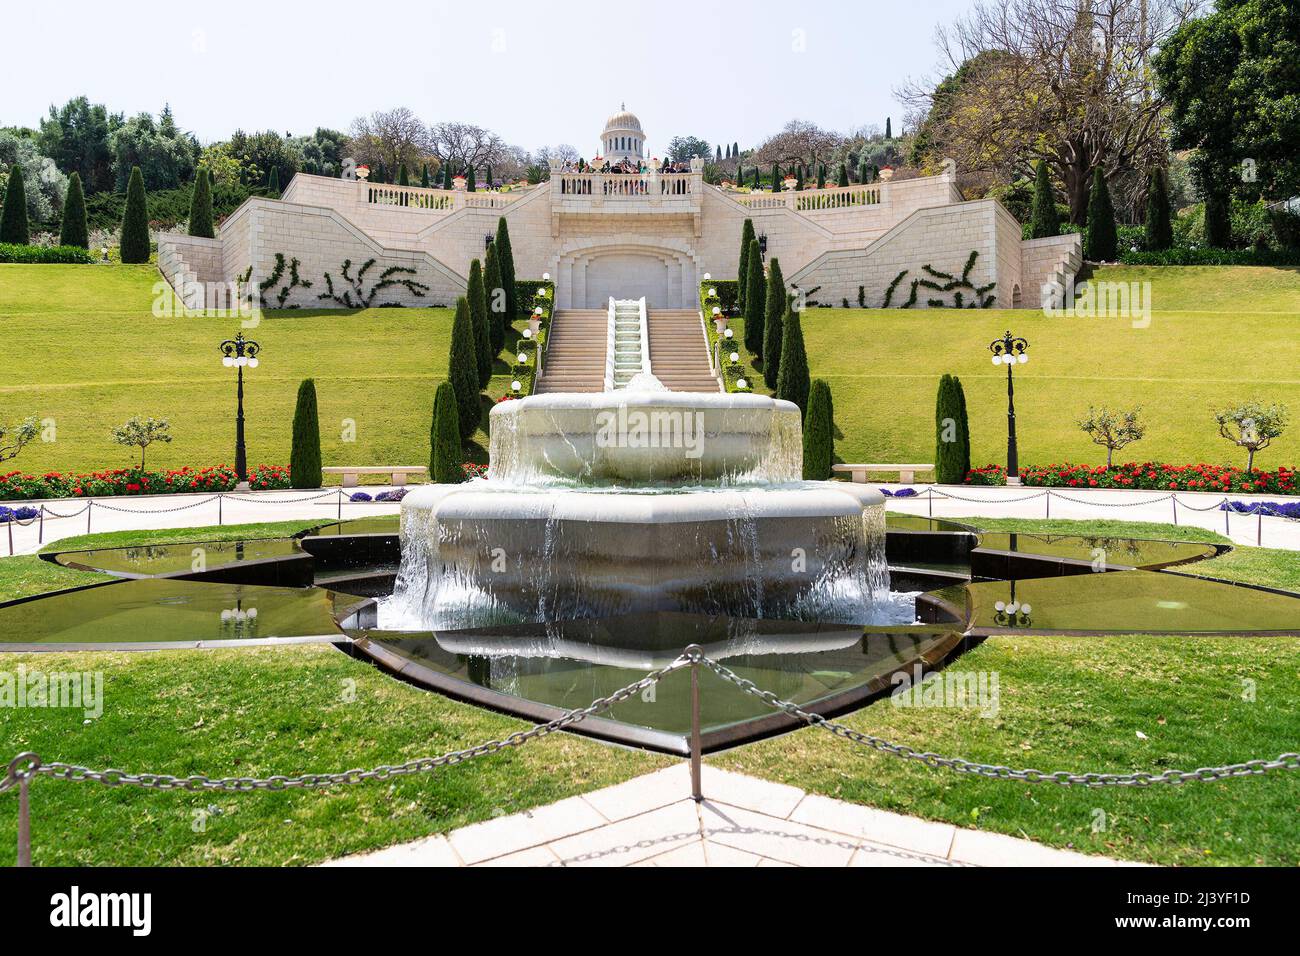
column 17, row 514
column 359, row 496
column 397, row 494
column 900, row 493
column 1288, row 509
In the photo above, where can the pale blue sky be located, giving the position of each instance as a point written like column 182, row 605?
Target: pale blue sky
column 537, row 73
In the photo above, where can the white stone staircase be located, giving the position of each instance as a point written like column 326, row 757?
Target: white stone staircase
column 629, row 342
column 575, row 352
column 679, row 353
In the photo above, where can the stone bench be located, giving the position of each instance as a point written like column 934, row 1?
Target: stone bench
column 906, row 473
column 398, row 472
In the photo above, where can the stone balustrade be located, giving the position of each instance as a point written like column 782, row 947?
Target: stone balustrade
column 435, row 200
column 810, row 200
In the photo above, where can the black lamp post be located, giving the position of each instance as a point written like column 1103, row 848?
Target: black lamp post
column 239, row 352
column 1010, row 351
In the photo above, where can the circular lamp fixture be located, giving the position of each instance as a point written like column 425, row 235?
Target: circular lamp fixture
column 515, row 385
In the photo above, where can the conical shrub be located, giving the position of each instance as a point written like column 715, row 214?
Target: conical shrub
column 495, row 297
column 201, row 207
column 479, row 316
column 462, row 370
column 755, row 300
column 742, row 277
column 444, row 438
column 1159, row 228
column 135, row 220
column 73, row 230
column 506, row 263
column 772, row 326
column 13, row 219
column 1045, row 220
column 1100, row 238
column 304, row 455
column 950, row 461
column 819, row 433
column 792, row 383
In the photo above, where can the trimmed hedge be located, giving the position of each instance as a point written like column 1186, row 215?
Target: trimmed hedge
column 1212, row 257
column 65, row 255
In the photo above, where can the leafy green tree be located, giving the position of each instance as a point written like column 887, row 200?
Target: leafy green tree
column 167, row 156
column 304, row 454
column 462, row 370
column 73, row 230
column 1113, row 430
column 952, row 433
column 495, row 297
column 135, row 221
column 1100, row 238
column 793, row 383
column 141, row 433
column 201, row 207
column 742, row 276
column 506, row 262
column 755, row 300
column 13, row 219
column 772, row 327
column 444, row 438
column 819, row 433
column 1159, row 228
column 77, row 137
column 1045, row 220
column 479, row 316
column 1252, row 426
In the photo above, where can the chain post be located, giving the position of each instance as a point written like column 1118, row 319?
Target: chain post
column 220, row 497
column 21, row 776
column 340, row 504
column 1259, row 528
column 1227, row 515
column 1048, row 497
column 929, row 500
column 10, row 524
column 88, row 504
column 40, row 529
column 695, row 653
column 1174, row 504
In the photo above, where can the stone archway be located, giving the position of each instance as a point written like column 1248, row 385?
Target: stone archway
column 589, row 272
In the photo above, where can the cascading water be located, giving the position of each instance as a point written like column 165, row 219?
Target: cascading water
column 640, row 500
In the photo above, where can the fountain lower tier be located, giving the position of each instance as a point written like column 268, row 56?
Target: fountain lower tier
column 481, row 553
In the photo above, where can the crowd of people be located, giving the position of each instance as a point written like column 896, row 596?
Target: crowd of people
column 624, row 167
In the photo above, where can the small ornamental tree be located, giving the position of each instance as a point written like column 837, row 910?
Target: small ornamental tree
column 772, row 328
column 819, row 433
column 1253, row 426
column 776, row 178
column 201, row 208
column 479, row 315
column 1113, row 430
column 1045, row 220
column 446, row 176
column 135, row 221
column 424, row 175
column 742, row 277
column 462, row 370
column 140, row 433
column 403, row 177
column 13, row 438
column 843, row 178
column 1159, row 228
column 13, row 220
column 793, row 383
column 964, row 444
column 506, row 263
column 444, row 438
column 495, row 296
column 951, row 440
column 821, row 175
column 1100, row 238
column 273, row 184
column 304, row 455
column 755, row 300
column 73, row 230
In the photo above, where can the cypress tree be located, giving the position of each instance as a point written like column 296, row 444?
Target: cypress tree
column 506, row 263
column 819, row 433
column 821, row 176
column 843, row 179
column 1159, row 229
column 1218, row 220
column 889, row 128
column 403, row 177
column 273, row 184
column 444, row 438
column 864, row 171
column 13, row 221
column 1100, row 240
column 1045, row 221
column 776, row 178
column 742, row 277
column 963, row 423
column 470, row 178
column 792, row 382
column 487, row 176
column 201, row 207
column 462, row 370
column 496, row 306
column 304, row 455
column 424, row 175
column 772, row 326
column 947, row 457
column 73, row 230
column 446, row 176
column 755, row 300
column 757, row 180
column 135, row 220
column 479, row 316
column 798, row 178
column 381, row 175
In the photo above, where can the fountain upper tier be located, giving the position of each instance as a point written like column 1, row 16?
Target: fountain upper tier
column 635, row 435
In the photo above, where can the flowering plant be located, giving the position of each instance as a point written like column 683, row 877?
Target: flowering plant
column 988, row 475
column 1158, row 476
column 473, row 470
column 16, row 486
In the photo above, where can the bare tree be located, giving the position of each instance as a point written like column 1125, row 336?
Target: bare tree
column 392, row 137
column 563, row 153
column 1066, row 81
column 798, row 142
column 463, row 145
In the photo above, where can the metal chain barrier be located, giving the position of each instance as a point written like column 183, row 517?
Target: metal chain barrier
column 156, row 511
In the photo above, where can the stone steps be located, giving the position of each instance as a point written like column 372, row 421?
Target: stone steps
column 679, row 355
column 575, row 352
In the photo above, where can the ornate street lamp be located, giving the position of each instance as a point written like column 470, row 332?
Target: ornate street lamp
column 237, row 353
column 1010, row 351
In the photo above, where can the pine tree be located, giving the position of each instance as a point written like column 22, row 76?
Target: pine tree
column 1159, row 229
column 424, row 175
column 273, row 184
column 1045, row 220
column 1100, row 241
column 494, row 296
column 135, row 220
column 755, row 300
column 506, row 263
column 13, row 221
column 479, row 316
column 403, row 177
column 792, row 383
column 201, row 207
column 819, row 433
column 843, row 179
column 444, row 438
column 304, row 454
column 462, row 370
column 772, row 319
column 742, row 277
column 73, row 230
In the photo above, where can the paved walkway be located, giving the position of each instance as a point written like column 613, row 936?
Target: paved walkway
column 743, row 821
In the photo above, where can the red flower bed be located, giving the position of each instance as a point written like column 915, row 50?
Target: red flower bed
column 1148, row 476
column 474, row 471
column 17, row 486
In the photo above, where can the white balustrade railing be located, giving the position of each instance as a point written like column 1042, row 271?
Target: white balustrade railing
column 648, row 185
column 437, row 200
column 811, row 200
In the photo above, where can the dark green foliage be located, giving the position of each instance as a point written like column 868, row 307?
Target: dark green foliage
column 1100, row 239
column 1159, row 228
column 952, row 433
column 446, row 176
column 843, row 179
column 462, row 370
column 821, row 176
column 755, row 300
column 1045, row 220
column 494, row 296
column 889, row 128
column 304, row 456
column 67, row 255
column 792, row 383
column 772, row 329
column 135, row 221
column 776, row 178
column 470, row 177
column 506, row 263
column 424, row 175
column 13, row 221
column 755, row 183
column 201, row 208
column 273, row 184
column 444, row 438
column 73, row 231
column 403, row 177
column 1218, row 218
column 479, row 315
column 742, row 277
column 819, row 433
